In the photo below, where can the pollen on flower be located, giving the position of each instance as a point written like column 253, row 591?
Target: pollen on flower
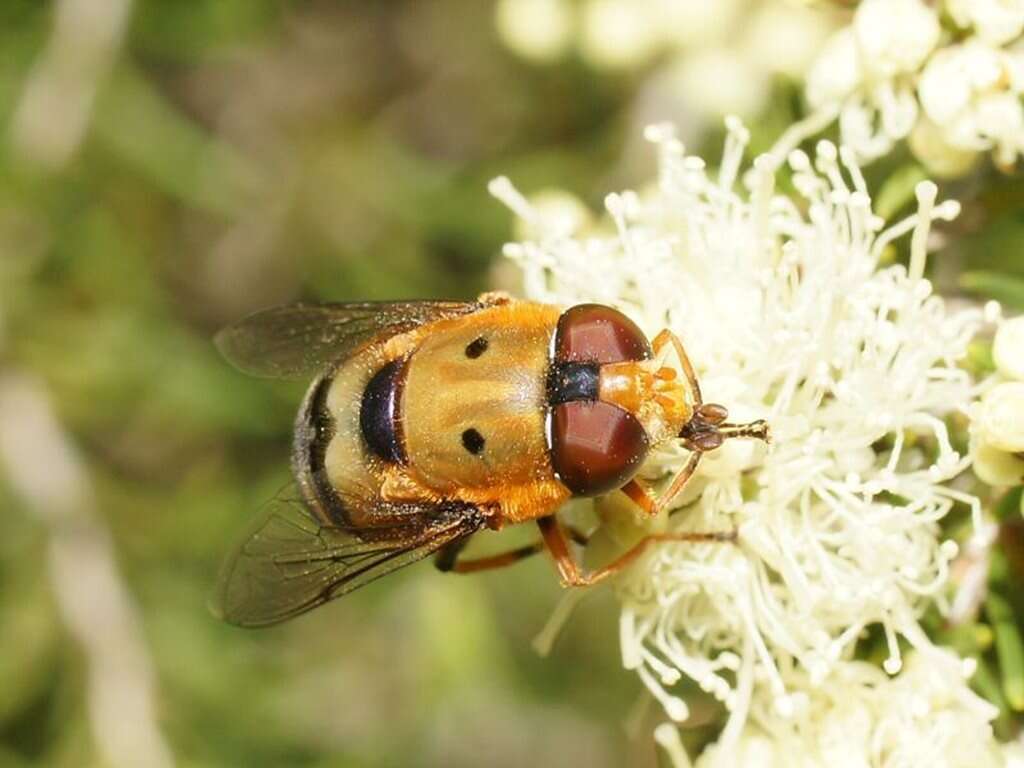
column 788, row 316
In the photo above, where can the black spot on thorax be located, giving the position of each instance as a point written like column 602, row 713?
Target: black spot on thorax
column 476, row 347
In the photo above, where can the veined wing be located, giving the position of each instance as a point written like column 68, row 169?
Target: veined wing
column 302, row 339
column 290, row 563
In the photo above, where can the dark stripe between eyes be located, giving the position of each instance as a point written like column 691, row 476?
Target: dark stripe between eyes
column 570, row 381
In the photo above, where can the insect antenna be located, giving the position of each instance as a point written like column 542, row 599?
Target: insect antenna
column 707, row 429
column 758, row 430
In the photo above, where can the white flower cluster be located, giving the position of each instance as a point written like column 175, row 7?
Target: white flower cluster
column 721, row 54
column 997, row 427
column 788, row 316
column 896, row 73
column 927, row 716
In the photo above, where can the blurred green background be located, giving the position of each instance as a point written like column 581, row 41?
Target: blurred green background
column 168, row 166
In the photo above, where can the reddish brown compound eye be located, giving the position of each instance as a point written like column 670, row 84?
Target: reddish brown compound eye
column 594, row 333
column 595, row 447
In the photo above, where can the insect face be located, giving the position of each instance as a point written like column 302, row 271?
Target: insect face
column 610, row 398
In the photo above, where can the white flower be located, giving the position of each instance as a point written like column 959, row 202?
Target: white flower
column 997, row 422
column 865, row 72
column 717, row 58
column 1000, row 417
column 540, row 30
column 995, row 21
column 892, row 62
column 732, row 74
column 627, row 33
column 1008, row 348
column 617, row 33
column 1014, row 754
column 719, row 82
column 929, row 144
column 926, row 716
column 995, row 466
column 777, row 35
column 686, row 23
column 783, row 37
column 836, row 73
column 555, row 211
column 894, row 37
column 973, row 93
column 788, row 317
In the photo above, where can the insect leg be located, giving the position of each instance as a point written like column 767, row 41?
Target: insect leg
column 448, row 558
column 667, row 337
column 491, row 562
column 642, row 496
column 554, row 540
column 569, row 570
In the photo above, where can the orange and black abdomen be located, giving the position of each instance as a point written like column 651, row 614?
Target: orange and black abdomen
column 379, row 413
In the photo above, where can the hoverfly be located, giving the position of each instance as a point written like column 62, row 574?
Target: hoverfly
column 428, row 421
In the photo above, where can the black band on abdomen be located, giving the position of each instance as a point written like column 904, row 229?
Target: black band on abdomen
column 379, row 413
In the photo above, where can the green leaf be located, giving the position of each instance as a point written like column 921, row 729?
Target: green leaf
column 979, row 359
column 1009, row 650
column 986, row 682
column 898, row 190
column 1009, row 507
column 1006, row 289
column 136, row 123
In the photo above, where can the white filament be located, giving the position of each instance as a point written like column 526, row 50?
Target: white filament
column 787, row 315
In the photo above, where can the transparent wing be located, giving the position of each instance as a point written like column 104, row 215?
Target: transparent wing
column 301, row 339
column 289, row 563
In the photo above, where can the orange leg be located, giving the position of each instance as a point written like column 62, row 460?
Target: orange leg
column 667, row 337
column 569, row 570
column 706, row 430
column 642, row 496
column 447, row 559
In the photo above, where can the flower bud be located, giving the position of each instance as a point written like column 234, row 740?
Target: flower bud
column 895, row 36
column 928, row 143
column 996, row 467
column 1001, row 418
column 1008, row 348
column 994, row 22
column 617, row 34
column 556, row 214
column 539, row 30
